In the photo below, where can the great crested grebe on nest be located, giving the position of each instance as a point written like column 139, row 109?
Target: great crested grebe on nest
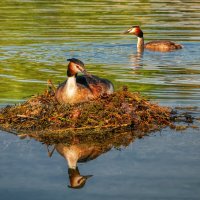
column 156, row 45
column 77, row 89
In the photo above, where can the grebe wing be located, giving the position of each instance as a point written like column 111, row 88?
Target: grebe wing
column 163, row 44
column 91, row 83
column 82, row 80
column 86, row 80
column 92, row 152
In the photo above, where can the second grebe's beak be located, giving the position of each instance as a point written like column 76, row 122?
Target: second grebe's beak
column 127, row 31
column 131, row 30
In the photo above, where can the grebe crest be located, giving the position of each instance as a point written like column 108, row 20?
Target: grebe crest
column 157, row 45
column 136, row 31
column 77, row 89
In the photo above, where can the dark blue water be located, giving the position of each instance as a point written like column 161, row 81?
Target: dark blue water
column 161, row 166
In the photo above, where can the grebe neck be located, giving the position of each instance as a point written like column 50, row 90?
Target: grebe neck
column 140, row 43
column 72, row 163
column 72, row 159
column 71, row 86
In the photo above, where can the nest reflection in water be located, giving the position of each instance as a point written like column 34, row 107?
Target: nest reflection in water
column 82, row 132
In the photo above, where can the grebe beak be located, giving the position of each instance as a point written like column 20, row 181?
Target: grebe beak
column 83, row 70
column 88, row 176
column 87, row 74
column 127, row 31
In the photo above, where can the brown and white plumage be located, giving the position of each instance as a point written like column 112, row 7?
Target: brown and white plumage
column 163, row 45
column 156, row 45
column 77, row 89
column 78, row 153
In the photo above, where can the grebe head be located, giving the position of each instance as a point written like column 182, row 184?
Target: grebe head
column 135, row 30
column 75, row 66
column 77, row 181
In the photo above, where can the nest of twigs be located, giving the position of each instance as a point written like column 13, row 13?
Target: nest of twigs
column 120, row 111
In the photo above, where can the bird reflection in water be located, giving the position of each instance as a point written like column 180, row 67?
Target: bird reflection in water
column 136, row 59
column 79, row 151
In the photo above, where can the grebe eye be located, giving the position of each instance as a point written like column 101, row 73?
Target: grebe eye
column 78, row 66
column 80, row 180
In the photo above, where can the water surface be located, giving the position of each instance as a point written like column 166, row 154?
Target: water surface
column 36, row 39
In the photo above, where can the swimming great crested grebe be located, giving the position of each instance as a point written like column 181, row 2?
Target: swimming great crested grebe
column 83, row 88
column 157, row 45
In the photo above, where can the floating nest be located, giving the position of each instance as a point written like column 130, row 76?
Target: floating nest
column 44, row 118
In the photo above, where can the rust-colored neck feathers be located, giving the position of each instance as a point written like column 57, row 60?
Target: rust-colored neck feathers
column 72, row 70
column 138, row 32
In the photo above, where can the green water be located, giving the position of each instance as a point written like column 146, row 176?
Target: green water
column 37, row 37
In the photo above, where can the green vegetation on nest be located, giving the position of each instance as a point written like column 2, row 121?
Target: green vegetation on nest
column 43, row 115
